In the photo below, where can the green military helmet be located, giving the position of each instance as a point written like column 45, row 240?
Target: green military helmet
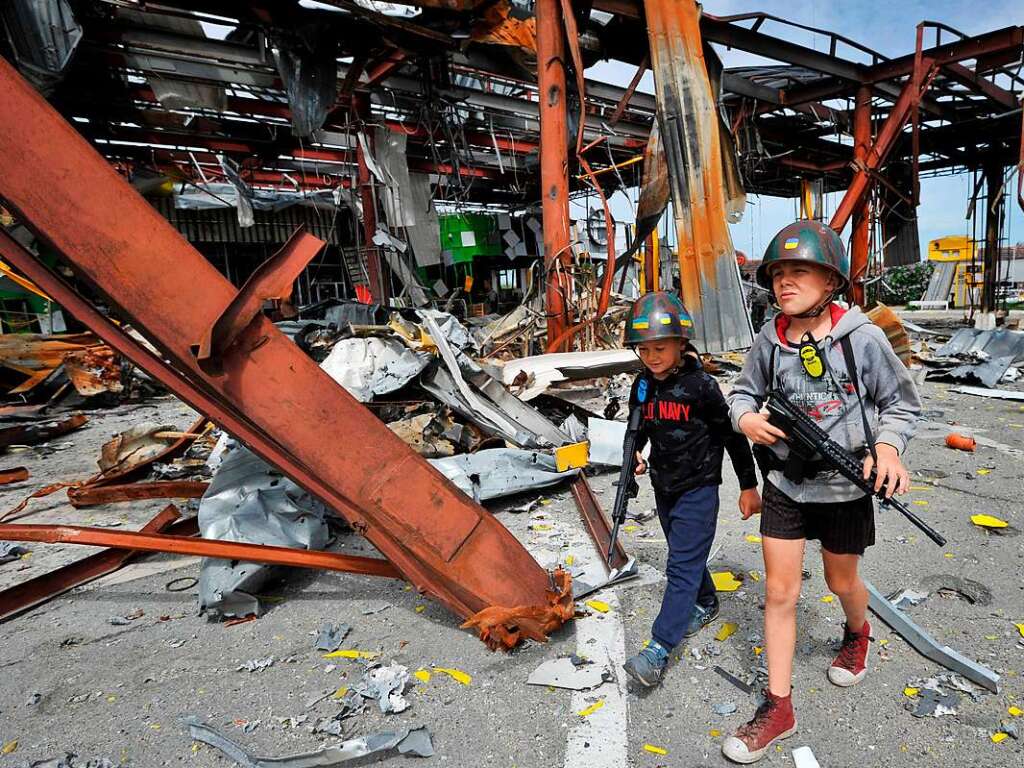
column 807, row 240
column 657, row 315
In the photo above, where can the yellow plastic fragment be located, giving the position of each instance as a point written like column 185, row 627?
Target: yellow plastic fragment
column 758, row 650
column 999, row 738
column 714, row 733
column 540, row 527
column 991, row 637
column 827, row 599
column 591, row 709
column 455, row 674
column 570, row 559
column 655, row 750
column 1020, row 628
column 630, row 528
column 909, row 692
column 351, row 653
column 422, row 675
column 921, row 502
column 1015, row 711
column 948, row 555
column 726, row 631
column 9, row 747
column 983, row 471
column 545, row 502
column 598, row 605
column 987, row 521
column 574, row 456
column 920, row 488
column 111, row 699
column 725, row 581
column 420, row 608
column 754, row 575
column 752, row 538
column 340, row 692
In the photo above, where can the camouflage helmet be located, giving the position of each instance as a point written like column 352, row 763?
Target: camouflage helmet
column 657, row 315
column 811, row 241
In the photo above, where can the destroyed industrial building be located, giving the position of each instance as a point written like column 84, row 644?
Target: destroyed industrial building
column 324, row 301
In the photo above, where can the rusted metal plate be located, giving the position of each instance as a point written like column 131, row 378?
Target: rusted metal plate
column 271, row 396
column 596, row 521
column 689, row 123
column 28, row 594
column 32, row 434
column 13, row 475
column 90, row 364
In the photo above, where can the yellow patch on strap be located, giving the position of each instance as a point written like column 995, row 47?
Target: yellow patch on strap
column 987, row 521
column 725, row 581
column 591, row 709
column 598, row 605
column 727, row 630
column 655, row 750
column 455, row 674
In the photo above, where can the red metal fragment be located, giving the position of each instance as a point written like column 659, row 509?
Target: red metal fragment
column 501, row 627
column 91, row 495
column 13, row 475
column 596, row 521
column 33, row 434
column 28, row 594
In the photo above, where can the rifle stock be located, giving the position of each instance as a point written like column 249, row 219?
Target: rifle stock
column 626, row 487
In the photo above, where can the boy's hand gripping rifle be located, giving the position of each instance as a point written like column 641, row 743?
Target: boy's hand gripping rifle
column 627, row 487
column 806, row 439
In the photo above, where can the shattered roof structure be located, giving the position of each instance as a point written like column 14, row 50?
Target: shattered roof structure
column 152, row 87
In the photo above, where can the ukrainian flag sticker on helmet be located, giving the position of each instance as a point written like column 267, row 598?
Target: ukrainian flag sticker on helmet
column 641, row 324
column 666, row 321
column 686, row 323
column 791, row 243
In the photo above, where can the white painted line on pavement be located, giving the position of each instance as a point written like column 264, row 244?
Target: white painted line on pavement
column 600, row 740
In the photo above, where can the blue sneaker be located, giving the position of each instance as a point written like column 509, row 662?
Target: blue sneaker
column 700, row 618
column 648, row 666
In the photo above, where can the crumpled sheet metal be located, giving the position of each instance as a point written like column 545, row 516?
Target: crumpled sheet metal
column 415, row 741
column 499, row 626
column 95, row 365
column 44, row 35
column 496, row 472
column 689, row 131
column 371, row 366
column 250, row 502
column 995, row 351
column 541, row 371
column 136, row 445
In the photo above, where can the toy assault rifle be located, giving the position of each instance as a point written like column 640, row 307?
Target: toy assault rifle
column 627, row 487
column 806, row 440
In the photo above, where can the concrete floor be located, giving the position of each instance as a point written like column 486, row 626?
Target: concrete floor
column 72, row 682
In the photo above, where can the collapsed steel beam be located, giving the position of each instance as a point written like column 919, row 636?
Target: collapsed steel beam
column 270, row 395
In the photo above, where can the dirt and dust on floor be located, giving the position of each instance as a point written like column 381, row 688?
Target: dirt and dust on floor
column 162, row 659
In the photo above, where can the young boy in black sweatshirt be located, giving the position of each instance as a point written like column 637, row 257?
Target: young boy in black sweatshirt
column 686, row 422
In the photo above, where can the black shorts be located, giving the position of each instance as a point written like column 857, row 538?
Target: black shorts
column 843, row 528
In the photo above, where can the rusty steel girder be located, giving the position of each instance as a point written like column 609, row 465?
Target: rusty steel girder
column 256, row 384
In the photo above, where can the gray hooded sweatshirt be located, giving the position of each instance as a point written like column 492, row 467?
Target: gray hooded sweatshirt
column 890, row 397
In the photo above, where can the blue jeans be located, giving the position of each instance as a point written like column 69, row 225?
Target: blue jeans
column 689, row 523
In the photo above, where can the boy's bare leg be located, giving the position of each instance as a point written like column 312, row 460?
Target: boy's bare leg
column 783, row 565
column 843, row 578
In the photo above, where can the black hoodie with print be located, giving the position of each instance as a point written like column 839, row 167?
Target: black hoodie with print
column 686, row 420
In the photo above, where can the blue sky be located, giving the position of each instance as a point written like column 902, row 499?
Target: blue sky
column 887, row 27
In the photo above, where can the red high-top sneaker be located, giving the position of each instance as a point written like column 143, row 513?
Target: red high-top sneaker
column 851, row 664
column 773, row 721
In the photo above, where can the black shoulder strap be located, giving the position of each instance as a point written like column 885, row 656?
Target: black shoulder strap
column 851, row 370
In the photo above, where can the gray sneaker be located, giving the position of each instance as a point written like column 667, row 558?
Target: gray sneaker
column 648, row 666
column 700, row 618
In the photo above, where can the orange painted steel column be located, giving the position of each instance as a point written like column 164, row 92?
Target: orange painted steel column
column 862, row 213
column 374, row 270
column 285, row 407
column 554, row 163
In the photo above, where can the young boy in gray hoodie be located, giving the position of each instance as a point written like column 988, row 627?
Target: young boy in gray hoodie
column 802, row 354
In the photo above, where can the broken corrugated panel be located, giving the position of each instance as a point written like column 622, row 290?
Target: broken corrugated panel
column 43, row 35
column 307, row 61
column 396, row 197
column 941, row 281
column 688, row 117
column 424, row 234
